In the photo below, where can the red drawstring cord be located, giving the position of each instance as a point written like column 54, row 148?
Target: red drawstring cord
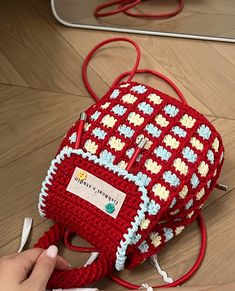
column 92, row 52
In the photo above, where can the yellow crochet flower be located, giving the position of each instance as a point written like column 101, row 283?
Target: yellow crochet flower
column 144, row 224
column 155, row 99
column 175, row 212
column 152, row 166
column 200, row 194
column 160, row 191
column 203, row 169
column 161, row 120
column 190, row 215
column 215, row 144
column 148, row 143
column 81, row 175
column 116, row 143
column 155, row 238
column 183, row 193
column 87, row 126
column 129, row 98
column 179, row 229
column 196, row 143
column 105, row 105
column 124, row 85
column 122, row 164
column 91, row 146
column 135, row 118
column 181, row 166
column 108, row 120
column 171, row 141
column 187, row 121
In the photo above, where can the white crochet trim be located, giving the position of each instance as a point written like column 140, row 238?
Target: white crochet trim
column 154, row 261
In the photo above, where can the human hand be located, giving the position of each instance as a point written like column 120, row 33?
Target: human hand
column 29, row 270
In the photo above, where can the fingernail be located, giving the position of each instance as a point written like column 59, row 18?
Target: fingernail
column 52, row 251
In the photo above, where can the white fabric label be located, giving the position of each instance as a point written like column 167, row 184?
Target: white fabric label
column 96, row 191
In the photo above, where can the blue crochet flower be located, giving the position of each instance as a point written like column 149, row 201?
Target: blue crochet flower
column 173, row 202
column 95, row 115
column 126, row 130
column 179, row 131
column 153, row 207
column 171, row 178
column 139, row 89
column 194, row 181
column 146, row 108
column 115, row 94
column 162, row 153
column 119, row 109
column 130, row 152
column 73, row 137
column 168, row 232
column 135, row 238
column 99, row 133
column 106, row 157
column 153, row 130
column 171, row 110
column 143, row 178
column 143, row 247
column 211, row 156
column 189, row 204
column 189, row 155
column 204, row 131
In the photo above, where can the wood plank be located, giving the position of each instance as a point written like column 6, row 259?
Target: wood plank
column 8, row 91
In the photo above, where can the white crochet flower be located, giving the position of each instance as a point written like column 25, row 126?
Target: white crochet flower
column 155, row 238
column 87, row 126
column 105, row 105
column 91, row 146
column 144, row 224
column 215, row 144
column 187, row 121
column 161, row 120
column 116, row 143
column 183, row 193
column 179, row 229
column 190, row 215
column 108, row 120
column 152, row 166
column 215, row 172
column 200, row 194
column 124, row 85
column 203, row 169
column 135, row 118
column 160, row 191
column 196, row 143
column 155, row 98
column 171, row 141
column 181, row 166
column 122, row 164
column 129, row 98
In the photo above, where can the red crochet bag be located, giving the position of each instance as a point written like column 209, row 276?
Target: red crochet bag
column 130, row 177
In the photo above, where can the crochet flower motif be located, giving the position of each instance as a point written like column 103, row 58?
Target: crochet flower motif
column 148, row 143
column 152, row 166
column 196, row 143
column 108, row 120
column 160, row 191
column 208, row 184
column 139, row 89
column 105, row 105
column 136, row 238
column 106, row 157
column 145, row 108
column 91, row 146
column 81, row 175
column 175, row 212
column 144, row 224
column 194, row 181
column 171, row 178
column 87, row 126
column 116, row 143
column 119, row 109
column 162, row 153
column 203, row 169
column 130, row 152
column 215, row 172
column 183, row 193
column 189, row 155
column 179, row 229
column 122, row 164
column 95, row 115
column 200, row 194
column 181, row 166
column 171, row 141
column 171, row 110
column 204, row 131
column 153, row 130
column 215, row 144
column 153, row 207
column 161, row 120
column 143, row 247
column 110, row 208
column 124, row 85
column 115, row 94
column 135, row 118
column 143, row 178
column 155, row 98
column 73, row 137
column 179, row 131
column 129, row 98
column 168, row 233
column 187, row 121
column 190, row 215
column 189, row 204
column 155, row 238
column 126, row 130
column 99, row 133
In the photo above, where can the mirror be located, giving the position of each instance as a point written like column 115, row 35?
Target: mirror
column 198, row 19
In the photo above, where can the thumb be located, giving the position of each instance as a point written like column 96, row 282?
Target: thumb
column 43, row 268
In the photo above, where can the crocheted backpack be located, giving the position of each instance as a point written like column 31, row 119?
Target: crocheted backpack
column 130, row 177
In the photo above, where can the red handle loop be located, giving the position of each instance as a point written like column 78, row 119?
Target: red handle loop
column 92, row 52
column 188, row 275
column 123, row 5
column 75, row 277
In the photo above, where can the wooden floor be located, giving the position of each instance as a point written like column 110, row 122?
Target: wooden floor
column 42, row 93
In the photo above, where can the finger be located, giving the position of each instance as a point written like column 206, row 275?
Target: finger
column 43, row 269
column 61, row 263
